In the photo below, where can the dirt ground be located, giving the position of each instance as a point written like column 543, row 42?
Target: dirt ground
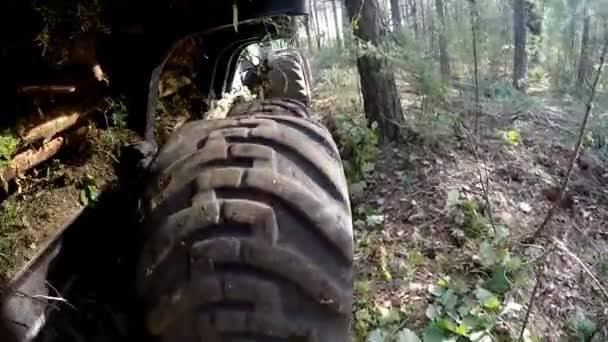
column 412, row 241
column 52, row 195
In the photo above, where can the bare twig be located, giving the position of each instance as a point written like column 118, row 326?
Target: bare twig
column 543, row 226
column 539, row 273
column 565, row 249
column 474, row 20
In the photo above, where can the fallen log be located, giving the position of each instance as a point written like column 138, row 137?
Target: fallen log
column 36, row 128
column 45, row 89
column 30, row 158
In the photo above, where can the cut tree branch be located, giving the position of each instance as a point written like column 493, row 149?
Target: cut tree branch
column 561, row 245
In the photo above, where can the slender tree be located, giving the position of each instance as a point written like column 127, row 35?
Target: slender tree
column 396, row 14
column 326, row 24
column 585, row 65
column 444, row 57
column 423, row 25
column 315, row 21
column 308, row 33
column 414, row 20
column 336, row 23
column 380, row 97
column 520, row 37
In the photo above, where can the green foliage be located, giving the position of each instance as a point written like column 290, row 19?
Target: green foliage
column 331, row 57
column 359, row 144
column 119, row 113
column 511, row 99
column 597, row 139
column 461, row 313
column 511, row 137
column 8, row 215
column 404, row 56
column 368, row 217
column 8, row 145
column 467, row 215
column 580, row 327
column 89, row 190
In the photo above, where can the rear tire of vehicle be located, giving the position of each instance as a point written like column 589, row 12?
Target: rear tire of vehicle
column 248, row 232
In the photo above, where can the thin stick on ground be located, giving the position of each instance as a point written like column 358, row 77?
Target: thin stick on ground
column 561, row 245
column 539, row 273
column 543, row 226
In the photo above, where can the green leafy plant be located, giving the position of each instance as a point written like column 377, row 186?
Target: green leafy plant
column 359, row 146
column 8, row 145
column 8, row 214
column 368, row 217
column 89, row 190
column 119, row 113
column 580, row 327
column 462, row 313
column 466, row 214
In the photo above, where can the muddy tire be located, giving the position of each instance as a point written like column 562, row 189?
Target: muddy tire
column 290, row 76
column 248, row 233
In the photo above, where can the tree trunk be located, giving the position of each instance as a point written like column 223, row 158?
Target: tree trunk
column 520, row 37
column 571, row 35
column 327, row 25
column 308, row 33
column 346, row 26
column 315, row 22
column 414, row 15
column 423, row 23
column 444, row 57
column 396, row 14
column 336, row 24
column 380, row 97
column 585, row 65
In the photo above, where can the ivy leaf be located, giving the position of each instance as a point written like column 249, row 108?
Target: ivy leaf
column 434, row 333
column 498, row 283
column 453, row 198
column 432, row 312
column 501, row 233
column 436, row 291
column 377, row 335
column 487, row 299
column 449, row 300
column 373, row 221
column 445, row 324
column 487, row 254
column 363, row 315
column 388, row 315
column 406, row 335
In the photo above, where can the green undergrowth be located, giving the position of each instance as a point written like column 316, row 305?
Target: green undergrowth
column 8, row 146
column 472, row 297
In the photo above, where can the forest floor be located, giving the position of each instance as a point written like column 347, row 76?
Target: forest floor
column 439, row 251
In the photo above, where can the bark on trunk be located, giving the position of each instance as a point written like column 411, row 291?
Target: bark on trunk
column 520, row 37
column 336, row 24
column 396, row 14
column 315, row 22
column 414, row 16
column 585, row 65
column 444, row 57
column 380, row 97
column 326, row 25
column 308, row 33
column 571, row 36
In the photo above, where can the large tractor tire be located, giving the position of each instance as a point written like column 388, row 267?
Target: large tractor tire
column 248, row 232
column 288, row 76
